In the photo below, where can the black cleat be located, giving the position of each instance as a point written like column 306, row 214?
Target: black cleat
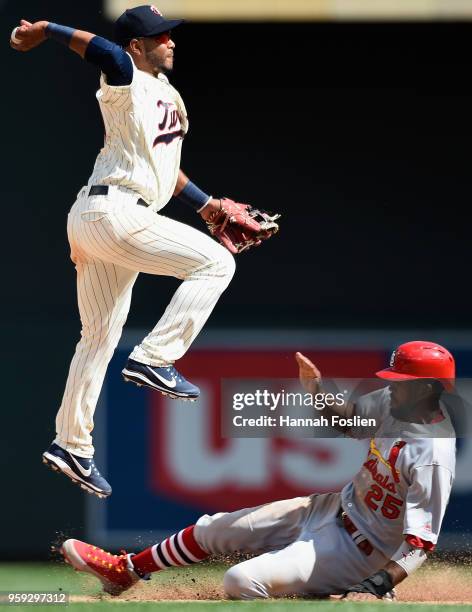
column 80, row 470
column 165, row 379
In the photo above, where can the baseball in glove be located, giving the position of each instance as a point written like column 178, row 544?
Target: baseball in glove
column 240, row 226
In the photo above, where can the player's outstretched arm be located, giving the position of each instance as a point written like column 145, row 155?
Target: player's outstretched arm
column 31, row 35
column 112, row 60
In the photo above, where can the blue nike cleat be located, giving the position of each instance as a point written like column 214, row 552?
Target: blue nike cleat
column 165, row 379
column 80, row 470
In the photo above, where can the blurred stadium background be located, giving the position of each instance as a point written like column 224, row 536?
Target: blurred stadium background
column 351, row 118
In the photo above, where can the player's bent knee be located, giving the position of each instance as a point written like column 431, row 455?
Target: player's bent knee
column 223, row 265
column 219, row 264
column 228, row 263
column 209, row 530
column 235, row 583
column 238, row 585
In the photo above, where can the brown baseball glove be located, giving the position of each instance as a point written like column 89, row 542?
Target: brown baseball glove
column 240, row 226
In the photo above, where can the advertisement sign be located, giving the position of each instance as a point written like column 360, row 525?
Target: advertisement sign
column 168, row 462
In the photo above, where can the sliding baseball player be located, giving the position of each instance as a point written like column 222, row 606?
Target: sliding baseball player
column 358, row 543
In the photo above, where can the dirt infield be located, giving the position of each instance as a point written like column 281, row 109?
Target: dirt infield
column 437, row 583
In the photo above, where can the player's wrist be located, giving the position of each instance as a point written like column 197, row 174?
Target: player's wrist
column 206, row 205
column 211, row 207
column 194, row 197
column 59, row 33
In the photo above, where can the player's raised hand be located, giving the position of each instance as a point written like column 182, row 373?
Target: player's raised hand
column 28, row 35
column 309, row 375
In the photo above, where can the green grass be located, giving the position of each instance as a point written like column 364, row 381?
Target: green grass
column 44, row 577
column 251, row 606
column 199, row 582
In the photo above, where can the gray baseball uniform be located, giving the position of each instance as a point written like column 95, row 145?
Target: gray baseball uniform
column 401, row 490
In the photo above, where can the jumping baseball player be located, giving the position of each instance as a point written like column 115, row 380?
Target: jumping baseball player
column 360, row 542
column 115, row 230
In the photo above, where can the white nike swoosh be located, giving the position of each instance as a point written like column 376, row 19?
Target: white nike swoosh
column 84, row 472
column 170, row 383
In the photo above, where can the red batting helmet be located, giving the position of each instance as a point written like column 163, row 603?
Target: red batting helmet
column 419, row 359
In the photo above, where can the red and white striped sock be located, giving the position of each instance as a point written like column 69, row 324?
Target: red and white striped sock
column 177, row 550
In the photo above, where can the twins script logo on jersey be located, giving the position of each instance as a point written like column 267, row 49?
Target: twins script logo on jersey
column 170, row 126
column 156, row 11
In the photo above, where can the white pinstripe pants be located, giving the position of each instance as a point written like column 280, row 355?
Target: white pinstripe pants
column 112, row 239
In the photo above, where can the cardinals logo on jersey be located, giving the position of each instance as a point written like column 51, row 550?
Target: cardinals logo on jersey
column 372, row 464
column 383, row 480
column 392, row 458
column 379, row 495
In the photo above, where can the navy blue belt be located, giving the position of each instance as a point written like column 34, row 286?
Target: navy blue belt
column 103, row 190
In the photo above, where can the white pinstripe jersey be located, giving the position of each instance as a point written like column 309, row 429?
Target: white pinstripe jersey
column 403, row 487
column 145, row 123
